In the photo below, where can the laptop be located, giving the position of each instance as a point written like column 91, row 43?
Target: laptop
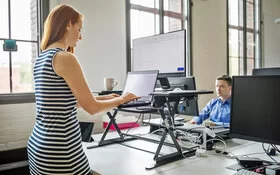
column 140, row 83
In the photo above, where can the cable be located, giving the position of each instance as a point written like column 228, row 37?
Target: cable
column 191, row 139
column 268, row 154
column 132, row 125
column 275, row 147
column 214, row 139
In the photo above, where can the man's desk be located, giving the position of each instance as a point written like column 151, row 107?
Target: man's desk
column 158, row 123
column 125, row 160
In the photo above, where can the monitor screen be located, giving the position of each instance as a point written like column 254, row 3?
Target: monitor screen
column 188, row 106
column 255, row 108
column 266, row 71
column 141, row 83
column 165, row 52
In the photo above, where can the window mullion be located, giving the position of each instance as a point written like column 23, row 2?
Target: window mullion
column 10, row 53
column 161, row 17
column 244, row 37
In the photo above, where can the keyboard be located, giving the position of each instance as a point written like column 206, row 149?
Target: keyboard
column 189, row 126
column 135, row 103
column 245, row 172
column 219, row 126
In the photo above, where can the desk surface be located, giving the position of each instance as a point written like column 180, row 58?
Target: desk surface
column 118, row 159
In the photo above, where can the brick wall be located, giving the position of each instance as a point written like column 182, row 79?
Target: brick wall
column 17, row 121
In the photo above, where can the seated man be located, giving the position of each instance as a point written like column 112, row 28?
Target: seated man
column 218, row 109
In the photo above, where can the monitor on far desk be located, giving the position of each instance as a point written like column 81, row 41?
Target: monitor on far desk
column 255, row 108
column 162, row 98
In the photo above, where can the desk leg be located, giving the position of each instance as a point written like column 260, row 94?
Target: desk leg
column 168, row 158
column 112, row 121
column 160, row 144
column 102, row 141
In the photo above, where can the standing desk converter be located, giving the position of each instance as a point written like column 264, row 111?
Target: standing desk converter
column 162, row 99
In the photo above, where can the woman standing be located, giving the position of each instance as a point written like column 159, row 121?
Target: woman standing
column 54, row 146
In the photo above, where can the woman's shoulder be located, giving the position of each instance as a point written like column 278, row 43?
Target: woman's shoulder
column 65, row 56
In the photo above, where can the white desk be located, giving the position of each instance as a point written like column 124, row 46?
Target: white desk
column 117, row 159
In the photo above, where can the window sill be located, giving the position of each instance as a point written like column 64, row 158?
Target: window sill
column 15, row 98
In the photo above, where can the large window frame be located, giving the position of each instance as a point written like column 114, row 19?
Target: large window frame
column 159, row 10
column 247, row 51
column 26, row 97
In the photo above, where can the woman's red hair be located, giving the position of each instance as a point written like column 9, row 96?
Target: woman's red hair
column 56, row 23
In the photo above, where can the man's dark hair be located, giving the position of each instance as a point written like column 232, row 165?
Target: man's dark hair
column 226, row 78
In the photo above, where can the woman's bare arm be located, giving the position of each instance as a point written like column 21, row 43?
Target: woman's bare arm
column 67, row 66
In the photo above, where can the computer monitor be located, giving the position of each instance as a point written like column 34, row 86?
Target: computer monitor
column 255, row 108
column 165, row 52
column 266, row 71
column 188, row 106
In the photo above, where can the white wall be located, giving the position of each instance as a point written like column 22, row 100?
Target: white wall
column 102, row 51
column 209, row 44
column 271, row 33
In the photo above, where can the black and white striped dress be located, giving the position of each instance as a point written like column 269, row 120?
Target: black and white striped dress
column 54, row 146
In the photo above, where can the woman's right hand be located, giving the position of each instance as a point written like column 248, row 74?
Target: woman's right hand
column 127, row 97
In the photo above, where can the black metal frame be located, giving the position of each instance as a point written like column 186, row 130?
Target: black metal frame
column 171, row 100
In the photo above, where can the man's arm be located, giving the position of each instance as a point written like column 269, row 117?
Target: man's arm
column 203, row 115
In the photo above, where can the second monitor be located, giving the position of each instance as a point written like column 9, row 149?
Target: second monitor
column 187, row 106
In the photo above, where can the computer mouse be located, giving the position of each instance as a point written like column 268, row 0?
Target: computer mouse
column 177, row 89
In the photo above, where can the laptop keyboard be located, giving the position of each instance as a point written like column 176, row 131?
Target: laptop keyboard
column 135, row 103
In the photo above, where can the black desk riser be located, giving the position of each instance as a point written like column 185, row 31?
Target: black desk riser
column 170, row 99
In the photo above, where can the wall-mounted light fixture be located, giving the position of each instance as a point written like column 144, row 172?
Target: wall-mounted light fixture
column 277, row 20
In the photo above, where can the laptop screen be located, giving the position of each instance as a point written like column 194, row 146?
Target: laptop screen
column 141, row 83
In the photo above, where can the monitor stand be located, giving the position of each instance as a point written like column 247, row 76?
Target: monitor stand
column 164, row 83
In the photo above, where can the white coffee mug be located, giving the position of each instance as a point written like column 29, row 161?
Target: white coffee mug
column 109, row 83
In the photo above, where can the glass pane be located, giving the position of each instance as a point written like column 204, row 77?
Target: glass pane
column 173, row 5
column 234, row 66
column 233, row 43
column 146, row 3
column 250, row 15
column 24, row 19
column 233, row 12
column 250, row 65
column 241, row 59
column 172, row 24
column 250, row 53
column 235, row 52
column 143, row 24
column 250, row 45
column 4, row 32
column 240, row 13
column 4, row 71
column 22, row 62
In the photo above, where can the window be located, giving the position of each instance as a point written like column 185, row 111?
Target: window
column 151, row 17
column 20, row 22
column 243, row 36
